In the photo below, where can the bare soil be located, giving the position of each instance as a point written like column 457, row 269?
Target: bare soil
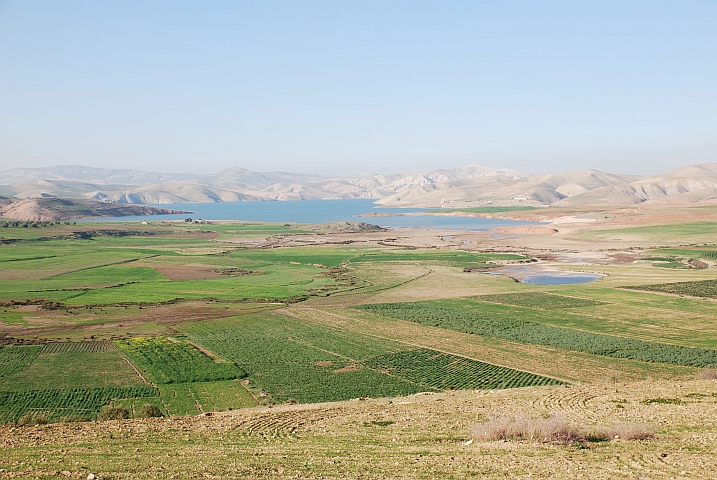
column 422, row 436
column 187, row 272
column 49, row 323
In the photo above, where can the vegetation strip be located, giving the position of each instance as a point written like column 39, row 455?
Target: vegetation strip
column 443, row 371
column 165, row 361
column 14, row 359
column 540, row 334
column 66, row 403
column 700, row 288
column 294, row 361
column 539, row 300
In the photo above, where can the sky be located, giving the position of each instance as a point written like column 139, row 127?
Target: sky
column 345, row 87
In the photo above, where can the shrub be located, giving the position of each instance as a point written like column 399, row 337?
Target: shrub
column 75, row 418
column 556, row 430
column 707, row 374
column 149, row 410
column 549, row 430
column 33, row 418
column 109, row 412
column 628, row 431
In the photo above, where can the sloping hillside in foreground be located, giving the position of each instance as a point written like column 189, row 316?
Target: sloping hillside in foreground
column 423, row 436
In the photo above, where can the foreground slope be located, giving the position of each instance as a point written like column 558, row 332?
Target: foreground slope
column 424, row 436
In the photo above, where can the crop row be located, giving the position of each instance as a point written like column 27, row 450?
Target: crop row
column 312, row 363
column 168, row 361
column 15, row 358
column 700, row 288
column 290, row 360
column 548, row 335
column 539, row 300
column 72, row 347
column 442, row 371
column 56, row 404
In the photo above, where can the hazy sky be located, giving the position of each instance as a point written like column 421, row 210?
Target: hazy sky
column 344, row 87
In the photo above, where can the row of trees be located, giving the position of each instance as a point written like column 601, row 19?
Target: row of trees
column 23, row 224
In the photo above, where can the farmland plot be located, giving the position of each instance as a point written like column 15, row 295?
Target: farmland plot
column 536, row 333
column 443, row 371
column 539, row 300
column 198, row 397
column 167, row 361
column 67, row 365
column 700, row 288
column 60, row 403
column 292, row 360
column 14, row 359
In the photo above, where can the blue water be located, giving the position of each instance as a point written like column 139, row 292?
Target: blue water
column 322, row 211
column 552, row 279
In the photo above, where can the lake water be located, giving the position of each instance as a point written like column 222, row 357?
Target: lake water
column 322, row 211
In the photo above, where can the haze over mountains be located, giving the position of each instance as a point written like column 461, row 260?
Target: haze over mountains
column 472, row 183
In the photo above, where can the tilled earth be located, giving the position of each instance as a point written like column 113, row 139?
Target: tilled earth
column 423, row 436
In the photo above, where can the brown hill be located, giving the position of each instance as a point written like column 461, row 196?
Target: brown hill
column 472, row 183
column 58, row 209
column 695, row 183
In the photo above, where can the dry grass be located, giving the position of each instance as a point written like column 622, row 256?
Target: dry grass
column 187, row 272
column 109, row 412
column 429, row 438
column 707, row 374
column 628, row 431
column 521, row 427
column 33, row 418
column 556, row 429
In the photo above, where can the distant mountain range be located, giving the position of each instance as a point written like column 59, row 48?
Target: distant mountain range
column 472, row 183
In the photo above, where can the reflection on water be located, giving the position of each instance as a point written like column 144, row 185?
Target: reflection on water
column 543, row 275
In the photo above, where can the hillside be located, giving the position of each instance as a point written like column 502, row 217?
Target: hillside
column 472, row 183
column 230, row 185
column 59, row 209
column 425, row 436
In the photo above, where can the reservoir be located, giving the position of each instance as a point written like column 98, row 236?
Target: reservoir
column 323, row 211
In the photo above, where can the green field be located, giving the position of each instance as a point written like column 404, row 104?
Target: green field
column 110, row 266
column 201, row 318
column 293, row 360
column 65, row 403
column 703, row 288
column 516, row 329
column 540, row 300
column 167, row 361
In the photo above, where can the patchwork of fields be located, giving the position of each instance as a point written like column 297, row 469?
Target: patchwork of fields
column 193, row 321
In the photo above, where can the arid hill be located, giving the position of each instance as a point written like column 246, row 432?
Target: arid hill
column 472, row 183
column 695, row 183
column 58, row 209
column 230, row 185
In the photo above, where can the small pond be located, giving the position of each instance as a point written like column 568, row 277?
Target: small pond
column 545, row 275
